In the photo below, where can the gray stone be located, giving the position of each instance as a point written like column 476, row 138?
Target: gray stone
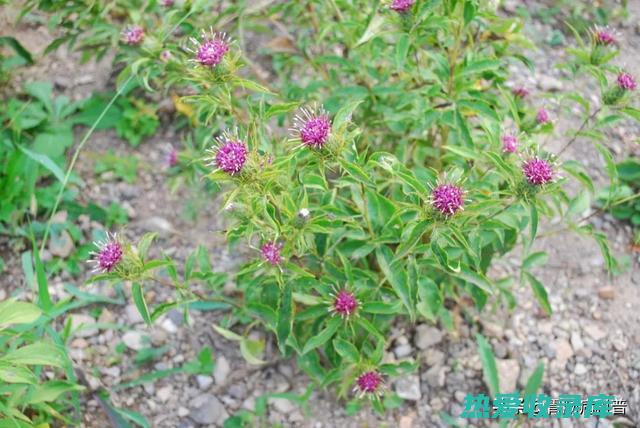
column 134, row 340
column 282, row 405
column 206, row 409
column 595, row 332
column 433, row 357
column 204, row 382
column 164, row 394
column 436, row 376
column 508, row 371
column 576, row 342
column 563, row 352
column 580, row 369
column 408, row 388
column 222, row 370
column 427, row 336
column 157, row 224
column 132, row 314
column 61, row 245
column 84, row 323
column 403, row 351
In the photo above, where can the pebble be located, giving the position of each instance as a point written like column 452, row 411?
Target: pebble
column 580, row 369
column 576, row 342
column 157, row 224
column 595, row 332
column 204, row 382
column 61, row 245
column 164, row 394
column 403, row 351
column 168, row 326
column 282, row 405
column 183, row 411
column 206, row 409
column 134, row 340
column 563, row 351
column 508, row 371
column 427, row 336
column 435, row 376
column 132, row 314
column 408, row 388
column 433, row 357
column 606, row 293
column 83, row 323
column 221, row 370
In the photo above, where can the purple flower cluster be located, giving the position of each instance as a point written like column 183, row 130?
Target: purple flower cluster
column 108, row 256
column 542, row 116
column 271, row 253
column 172, row 157
column 210, row 51
column 447, row 199
column 604, row 37
column 537, row 171
column 520, row 92
column 313, row 128
column 167, row 3
column 401, row 6
column 626, row 82
column 345, row 303
column 231, row 155
column 369, row 382
column 133, row 35
column 509, row 144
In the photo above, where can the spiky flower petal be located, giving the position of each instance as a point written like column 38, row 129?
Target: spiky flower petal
column 369, row 382
column 133, row 35
column 167, row 3
column 171, row 158
column 109, row 254
column 312, row 127
column 344, row 303
column 401, row 6
column 537, row 171
column 447, row 199
column 509, row 144
column 604, row 36
column 271, row 253
column 542, row 116
column 626, row 82
column 520, row 92
column 211, row 49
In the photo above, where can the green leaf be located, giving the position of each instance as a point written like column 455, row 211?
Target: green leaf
column 343, row 116
column 20, row 50
column 323, row 336
column 227, row 334
column 346, row 350
column 12, row 312
column 50, row 391
column 251, row 350
column 535, row 259
column 382, row 308
column 396, row 276
column 535, row 380
column 402, row 48
column 145, row 243
column 16, row 374
column 141, row 304
column 45, row 161
column 278, row 109
column 39, row 353
column 540, row 293
column 488, row 365
column 285, row 318
column 476, row 278
column 534, row 223
column 374, row 28
column 44, row 299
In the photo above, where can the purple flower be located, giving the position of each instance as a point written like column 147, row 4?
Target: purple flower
column 509, row 144
column 520, row 92
column 171, row 158
column 369, row 382
column 109, row 254
column 344, row 303
column 312, row 127
column 133, row 35
column 603, row 36
column 401, row 5
column 167, row 3
column 231, row 155
column 165, row 55
column 537, row 171
column 626, row 82
column 542, row 117
column 271, row 253
column 211, row 49
column 447, row 198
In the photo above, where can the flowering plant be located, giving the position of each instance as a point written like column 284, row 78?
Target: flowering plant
column 397, row 186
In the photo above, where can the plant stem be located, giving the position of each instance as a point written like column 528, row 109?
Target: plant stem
column 584, row 124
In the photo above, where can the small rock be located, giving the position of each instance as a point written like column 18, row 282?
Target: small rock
column 433, row 357
column 408, row 388
column 406, row 421
column 204, row 382
column 106, row 317
column 164, row 394
column 206, row 409
column 459, row 396
column 563, row 351
column 113, row 372
column 134, row 340
column 427, row 336
column 436, row 376
column 157, row 224
column 576, row 342
column 183, row 411
column 403, row 351
column 595, row 332
column 508, row 371
column 619, row 345
column 221, row 370
column 81, row 325
column 549, row 83
column 580, row 369
column 61, row 245
column 132, row 314
column 168, row 325
column 606, row 293
column 282, row 405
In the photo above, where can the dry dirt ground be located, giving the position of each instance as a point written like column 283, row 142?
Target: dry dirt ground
column 590, row 345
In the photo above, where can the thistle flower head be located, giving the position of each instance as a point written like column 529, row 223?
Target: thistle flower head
column 520, row 92
column 447, row 198
column 133, row 35
column 626, row 82
column 312, row 127
column 537, row 171
column 271, row 253
column 108, row 256
column 401, row 6
column 604, row 36
column 369, row 382
column 211, row 49
column 509, row 143
column 542, row 116
column 171, row 158
column 344, row 303
column 230, row 155
column 167, row 3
